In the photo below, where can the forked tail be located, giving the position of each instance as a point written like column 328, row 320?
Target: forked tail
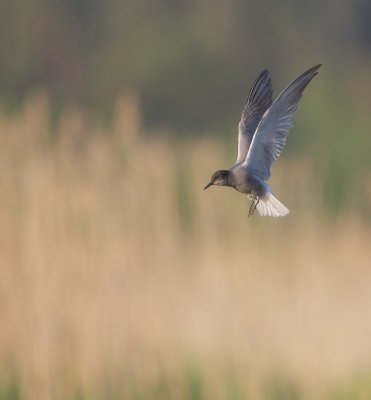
column 269, row 206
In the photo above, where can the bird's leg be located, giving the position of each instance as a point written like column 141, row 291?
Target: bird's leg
column 252, row 208
column 254, row 203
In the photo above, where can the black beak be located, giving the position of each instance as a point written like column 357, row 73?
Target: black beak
column 208, row 185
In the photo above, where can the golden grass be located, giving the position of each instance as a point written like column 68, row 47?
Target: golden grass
column 116, row 266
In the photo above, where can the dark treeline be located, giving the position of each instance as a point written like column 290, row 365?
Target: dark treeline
column 191, row 61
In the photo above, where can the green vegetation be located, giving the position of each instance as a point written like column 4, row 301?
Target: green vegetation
column 192, row 62
column 194, row 387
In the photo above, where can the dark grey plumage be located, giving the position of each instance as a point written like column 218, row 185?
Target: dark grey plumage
column 270, row 136
column 263, row 130
column 258, row 102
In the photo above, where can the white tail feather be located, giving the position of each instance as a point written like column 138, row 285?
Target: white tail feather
column 269, row 206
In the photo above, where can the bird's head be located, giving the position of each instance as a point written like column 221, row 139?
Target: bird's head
column 220, row 178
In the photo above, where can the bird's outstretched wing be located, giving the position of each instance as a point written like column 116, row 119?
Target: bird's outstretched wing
column 271, row 133
column 258, row 102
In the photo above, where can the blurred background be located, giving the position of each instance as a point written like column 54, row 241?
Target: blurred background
column 119, row 277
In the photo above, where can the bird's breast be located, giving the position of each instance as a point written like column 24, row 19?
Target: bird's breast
column 240, row 182
column 247, row 184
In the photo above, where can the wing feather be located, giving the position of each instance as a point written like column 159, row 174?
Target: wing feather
column 270, row 136
column 258, row 102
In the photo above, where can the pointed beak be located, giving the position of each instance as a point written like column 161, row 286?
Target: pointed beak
column 208, row 185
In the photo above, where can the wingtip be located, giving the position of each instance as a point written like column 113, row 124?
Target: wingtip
column 302, row 80
column 314, row 69
column 262, row 78
column 264, row 74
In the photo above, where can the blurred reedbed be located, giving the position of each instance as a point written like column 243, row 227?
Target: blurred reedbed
column 116, row 268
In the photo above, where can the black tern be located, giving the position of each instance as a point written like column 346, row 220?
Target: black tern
column 262, row 133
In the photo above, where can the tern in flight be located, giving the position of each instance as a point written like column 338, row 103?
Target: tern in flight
column 262, row 133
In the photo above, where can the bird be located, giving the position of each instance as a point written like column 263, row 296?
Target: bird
column 262, row 133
